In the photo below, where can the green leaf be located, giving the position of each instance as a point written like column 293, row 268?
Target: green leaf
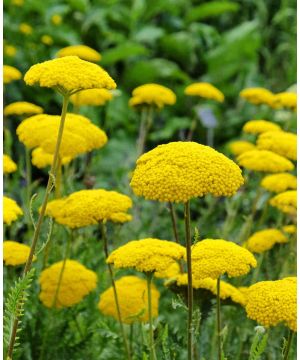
column 79, row 5
column 122, row 52
column 211, row 9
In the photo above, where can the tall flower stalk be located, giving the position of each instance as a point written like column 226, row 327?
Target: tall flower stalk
column 151, row 337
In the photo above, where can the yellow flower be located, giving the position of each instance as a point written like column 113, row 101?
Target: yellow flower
column 77, row 282
column 133, row 300
column 280, row 142
column 264, row 240
column 147, row 255
column 47, row 40
column 179, row 171
column 260, row 126
column 89, row 207
column 264, row 160
column 82, row 51
column 215, row 257
column 226, row 290
column 10, row 50
column 152, row 94
column 56, row 19
column 239, row 147
column 205, row 90
column 289, row 229
column 68, row 75
column 273, row 302
column 22, row 108
column 15, row 253
column 9, row 165
column 25, row 29
column 286, row 100
column 11, row 210
column 279, row 182
column 10, row 74
column 41, row 159
column 243, row 290
column 93, row 97
column 285, row 202
column 171, row 272
column 80, row 134
column 258, row 96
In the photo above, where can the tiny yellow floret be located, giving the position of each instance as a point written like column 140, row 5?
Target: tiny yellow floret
column 15, row 253
column 279, row 182
column 204, row 90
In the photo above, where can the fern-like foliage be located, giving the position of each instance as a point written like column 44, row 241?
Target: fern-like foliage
column 258, row 346
column 14, row 308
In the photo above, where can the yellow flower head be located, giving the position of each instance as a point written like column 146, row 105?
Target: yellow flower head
column 260, row 126
column 15, row 253
column 239, row 147
column 10, row 50
column 258, row 96
column 22, row 108
column 280, row 142
column 147, row 255
column 42, row 159
column 68, row 75
column 77, row 282
column 82, row 51
column 9, row 165
column 285, row 202
column 47, row 40
column 25, row 29
column 56, row 19
column 273, row 302
column 264, row 240
column 10, row 74
column 80, row 134
column 152, row 94
column 179, row 171
column 133, row 300
column 92, row 97
column 89, row 207
column 215, row 257
column 285, row 100
column 265, row 161
column 289, row 229
column 226, row 290
column 279, row 182
column 11, row 210
column 205, row 90
column 171, row 272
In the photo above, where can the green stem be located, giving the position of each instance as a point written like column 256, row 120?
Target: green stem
column 151, row 338
column 28, row 176
column 146, row 122
column 105, row 247
column 192, row 129
column 187, row 218
column 42, row 213
column 219, row 319
column 58, row 180
column 288, row 345
column 174, row 225
column 256, row 271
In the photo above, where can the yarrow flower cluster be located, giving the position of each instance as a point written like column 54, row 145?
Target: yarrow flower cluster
column 47, row 40
column 226, row 290
column 152, row 94
column 285, row 202
column 285, row 100
column 240, row 146
column 25, row 29
column 11, row 210
column 179, row 171
column 80, row 134
column 204, row 90
column 76, row 282
column 9, row 165
column 280, row 142
column 92, row 97
column 68, row 75
column 264, row 240
column 22, row 108
column 41, row 159
column 260, row 126
column 258, row 96
column 273, row 302
column 132, row 298
column 147, row 255
column 82, row 51
column 265, row 161
column 215, row 257
column 15, row 253
column 279, row 182
column 289, row 229
column 89, row 207
column 10, row 74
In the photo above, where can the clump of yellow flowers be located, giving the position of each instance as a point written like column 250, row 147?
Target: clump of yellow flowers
column 11, row 210
column 264, row 240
